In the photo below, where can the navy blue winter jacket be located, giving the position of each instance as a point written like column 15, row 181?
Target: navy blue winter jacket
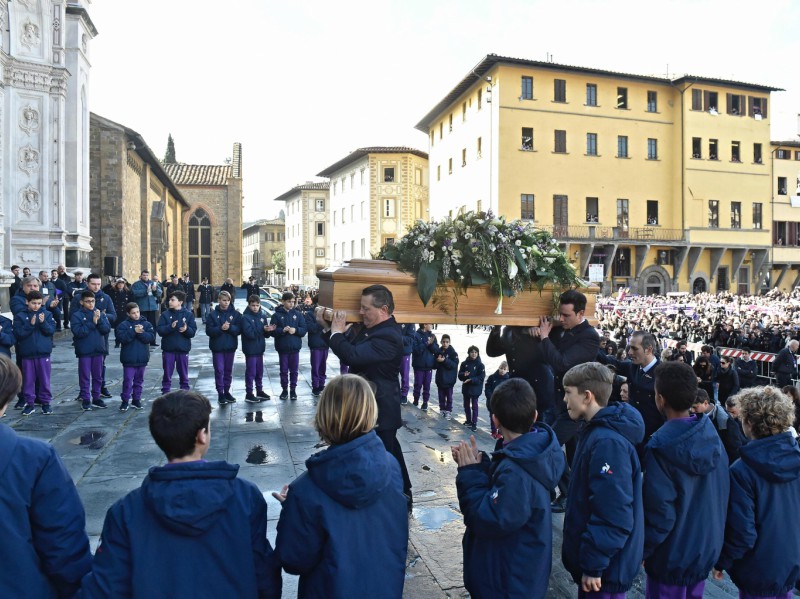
column 219, row 340
column 423, row 355
column 604, row 521
column 284, row 342
column 762, row 548
column 88, row 337
column 18, row 303
column 344, row 524
column 191, row 530
column 34, row 340
column 447, row 371
column 172, row 340
column 315, row 340
column 472, row 373
column 45, row 550
column 686, row 467
column 491, row 384
column 135, row 346
column 254, row 337
column 409, row 332
column 506, row 505
column 102, row 302
column 7, row 337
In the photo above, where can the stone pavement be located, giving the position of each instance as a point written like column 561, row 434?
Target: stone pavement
column 108, row 454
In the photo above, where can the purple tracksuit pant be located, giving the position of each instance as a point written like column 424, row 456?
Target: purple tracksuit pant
column 600, row 595
column 422, row 382
column 33, row 370
column 343, row 368
column 132, row 379
column 319, row 362
column 171, row 361
column 656, row 590
column 445, row 399
column 471, row 408
column 405, row 368
column 289, row 365
column 254, row 373
column 90, row 376
column 223, row 370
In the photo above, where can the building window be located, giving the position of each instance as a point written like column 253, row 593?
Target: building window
column 450, row 124
column 417, row 176
column 342, row 184
column 622, row 263
column 438, row 172
column 320, row 205
column 343, row 215
column 652, row 102
column 200, row 246
column 334, row 187
column 697, row 99
column 697, row 147
column 757, row 215
column 797, row 154
column 464, row 157
column 449, row 166
column 736, row 104
column 480, row 97
column 352, row 248
column 652, row 149
column 652, row 212
column 736, row 215
column 757, row 158
column 712, row 149
column 591, row 94
column 782, row 187
column 363, row 248
column 480, row 149
column 713, row 214
column 269, row 236
column 736, row 154
column 622, row 98
column 783, row 154
column 388, row 240
column 363, row 210
column 527, row 139
column 352, row 213
column 560, row 142
column 352, row 180
column 560, row 90
column 758, row 107
column 388, row 208
column 591, row 144
column 592, row 211
column 388, row 174
column 622, row 146
column 441, row 130
column 362, row 176
column 320, row 229
column 526, row 206
column 463, row 112
column 431, row 138
column 622, row 216
column 527, row 89
column 711, row 101
column 320, row 252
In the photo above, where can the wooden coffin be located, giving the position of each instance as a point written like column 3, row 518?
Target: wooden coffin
column 340, row 288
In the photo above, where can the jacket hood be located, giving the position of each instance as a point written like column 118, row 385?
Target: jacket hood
column 537, row 452
column 691, row 445
column 623, row 419
column 188, row 498
column 353, row 474
column 775, row 458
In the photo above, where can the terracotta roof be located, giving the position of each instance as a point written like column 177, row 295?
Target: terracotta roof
column 791, row 143
column 199, row 174
column 361, row 152
column 263, row 223
column 490, row 60
column 304, row 187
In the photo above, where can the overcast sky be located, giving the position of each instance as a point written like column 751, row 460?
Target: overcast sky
column 302, row 83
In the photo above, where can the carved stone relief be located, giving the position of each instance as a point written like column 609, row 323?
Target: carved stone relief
column 28, row 159
column 30, row 37
column 29, row 256
column 29, row 119
column 29, row 201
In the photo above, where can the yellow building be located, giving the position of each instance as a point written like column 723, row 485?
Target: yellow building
column 261, row 240
column 785, row 273
column 306, row 232
column 665, row 183
column 375, row 194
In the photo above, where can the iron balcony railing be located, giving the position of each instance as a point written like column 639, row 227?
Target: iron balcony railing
column 562, row 233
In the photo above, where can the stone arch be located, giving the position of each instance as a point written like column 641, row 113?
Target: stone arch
column 194, row 208
column 699, row 283
column 654, row 280
column 199, row 227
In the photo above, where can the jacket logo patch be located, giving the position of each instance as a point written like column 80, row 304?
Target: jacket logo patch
column 606, row 469
column 494, row 495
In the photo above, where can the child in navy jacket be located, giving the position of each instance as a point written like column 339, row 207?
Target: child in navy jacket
column 255, row 330
column 506, row 500
column 90, row 328
column 446, row 366
column 176, row 326
column 223, row 325
column 7, row 338
column 290, row 327
column 422, row 361
column 604, row 519
column 318, row 350
column 686, row 467
column 762, row 549
column 34, row 328
column 500, row 375
column 135, row 334
column 472, row 373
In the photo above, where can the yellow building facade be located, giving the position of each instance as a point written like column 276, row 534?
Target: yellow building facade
column 261, row 241
column 785, row 262
column 665, row 183
column 306, row 232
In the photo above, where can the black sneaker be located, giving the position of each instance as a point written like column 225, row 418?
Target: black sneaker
column 416, row 403
column 29, row 409
column 136, row 404
column 229, row 397
column 123, row 407
column 404, row 401
column 47, row 409
column 474, row 426
column 315, row 391
column 86, row 405
column 559, row 506
column 20, row 404
column 424, row 407
column 261, row 394
column 250, row 398
column 99, row 403
column 221, row 399
column 293, row 395
column 104, row 393
column 284, row 394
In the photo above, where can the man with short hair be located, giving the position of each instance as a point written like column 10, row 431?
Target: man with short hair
column 155, row 543
column 251, row 287
column 15, row 286
column 147, row 293
column 51, row 299
column 205, row 295
column 746, row 369
column 785, row 365
column 74, row 289
column 375, row 352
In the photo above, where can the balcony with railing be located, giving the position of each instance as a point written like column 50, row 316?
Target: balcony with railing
column 628, row 234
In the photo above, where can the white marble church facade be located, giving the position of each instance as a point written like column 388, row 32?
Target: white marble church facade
column 44, row 133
